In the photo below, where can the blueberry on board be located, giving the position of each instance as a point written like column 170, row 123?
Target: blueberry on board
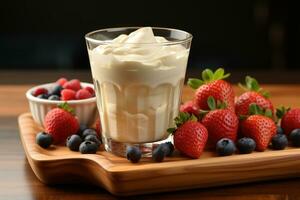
column 82, row 127
column 56, row 90
column 168, row 148
column 54, row 97
column 43, row 96
column 225, row 147
column 93, row 138
column 159, row 153
column 279, row 130
column 279, row 142
column 88, row 147
column 246, row 145
column 73, row 142
column 133, row 154
column 295, row 137
column 44, row 139
column 89, row 131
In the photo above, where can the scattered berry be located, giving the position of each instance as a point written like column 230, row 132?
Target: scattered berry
column 246, row 145
column 83, row 94
column 91, row 90
column 88, row 147
column 40, row 91
column 158, row 153
column 54, row 97
column 295, row 137
column 133, row 154
column 82, row 127
column 73, row 142
column 279, row 130
column 61, row 123
column 190, row 107
column 225, row 147
column 57, row 90
column 291, row 120
column 168, row 147
column 73, row 84
column 67, row 94
column 89, row 131
column 93, row 138
column 61, row 81
column 44, row 139
column 279, row 142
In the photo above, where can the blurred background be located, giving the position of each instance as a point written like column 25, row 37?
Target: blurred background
column 255, row 37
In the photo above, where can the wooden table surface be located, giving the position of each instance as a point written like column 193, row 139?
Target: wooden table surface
column 17, row 180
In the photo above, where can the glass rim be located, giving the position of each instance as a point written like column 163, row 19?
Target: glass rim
column 179, row 41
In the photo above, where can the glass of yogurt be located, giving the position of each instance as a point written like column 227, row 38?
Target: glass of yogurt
column 138, row 74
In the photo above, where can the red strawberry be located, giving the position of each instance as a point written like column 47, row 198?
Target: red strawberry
column 61, row 123
column 68, row 94
column 98, row 126
column 190, row 137
column 39, row 91
column 61, row 81
column 83, row 94
column 290, row 119
column 255, row 95
column 220, row 123
column 212, row 85
column 260, row 128
column 190, row 107
column 73, row 84
column 91, row 90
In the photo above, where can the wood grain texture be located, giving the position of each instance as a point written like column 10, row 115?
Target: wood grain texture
column 120, row 177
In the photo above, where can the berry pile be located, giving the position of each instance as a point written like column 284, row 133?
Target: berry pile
column 65, row 90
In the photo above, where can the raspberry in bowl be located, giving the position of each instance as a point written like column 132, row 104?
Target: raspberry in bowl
column 79, row 95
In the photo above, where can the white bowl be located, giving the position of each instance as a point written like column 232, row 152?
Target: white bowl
column 85, row 109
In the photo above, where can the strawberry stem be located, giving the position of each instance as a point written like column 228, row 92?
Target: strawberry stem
column 65, row 106
column 280, row 112
column 251, row 84
column 181, row 119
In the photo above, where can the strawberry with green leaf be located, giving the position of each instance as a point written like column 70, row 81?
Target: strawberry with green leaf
column 253, row 94
column 290, row 119
column 212, row 84
column 190, row 136
column 220, row 121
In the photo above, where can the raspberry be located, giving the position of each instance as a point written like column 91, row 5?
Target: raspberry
column 67, row 94
column 91, row 90
column 83, row 94
column 73, row 84
column 61, row 81
column 39, row 91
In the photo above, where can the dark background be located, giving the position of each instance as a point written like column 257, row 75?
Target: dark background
column 256, row 37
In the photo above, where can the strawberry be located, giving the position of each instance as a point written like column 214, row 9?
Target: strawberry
column 190, row 107
column 290, row 119
column 259, row 126
column 212, row 85
column 68, row 94
column 39, row 91
column 220, row 122
column 255, row 94
column 83, row 94
column 73, row 84
column 61, row 81
column 91, row 90
column 60, row 123
column 190, row 136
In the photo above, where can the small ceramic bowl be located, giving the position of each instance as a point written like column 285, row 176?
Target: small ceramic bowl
column 85, row 109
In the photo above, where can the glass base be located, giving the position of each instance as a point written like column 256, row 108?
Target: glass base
column 119, row 148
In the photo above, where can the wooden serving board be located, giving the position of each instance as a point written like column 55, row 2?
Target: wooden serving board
column 120, row 177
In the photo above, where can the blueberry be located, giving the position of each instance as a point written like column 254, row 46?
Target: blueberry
column 225, row 147
column 44, row 139
column 73, row 142
column 88, row 147
column 279, row 142
column 54, row 97
column 89, row 131
column 246, row 145
column 82, row 127
column 93, row 138
column 280, row 130
column 295, row 137
column 168, row 148
column 56, row 90
column 159, row 153
column 133, row 154
column 43, row 96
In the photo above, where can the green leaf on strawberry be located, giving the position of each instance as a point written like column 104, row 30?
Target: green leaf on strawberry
column 254, row 109
column 65, row 106
column 251, row 84
column 281, row 111
column 181, row 119
column 207, row 77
